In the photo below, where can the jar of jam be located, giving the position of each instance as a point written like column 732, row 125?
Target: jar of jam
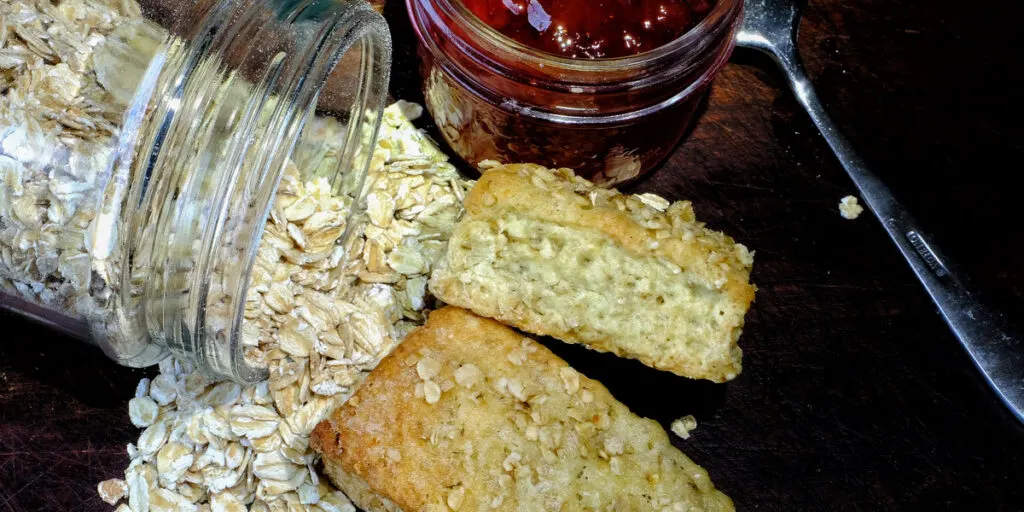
column 605, row 88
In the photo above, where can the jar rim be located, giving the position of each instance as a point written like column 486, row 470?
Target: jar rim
column 356, row 28
column 688, row 44
column 241, row 110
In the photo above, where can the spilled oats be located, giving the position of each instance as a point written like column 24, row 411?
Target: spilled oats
column 318, row 320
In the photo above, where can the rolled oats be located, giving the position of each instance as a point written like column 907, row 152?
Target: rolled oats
column 172, row 461
column 850, row 208
column 274, row 466
column 162, row 390
column 456, row 497
column 253, row 421
column 431, row 392
column 427, row 368
column 319, row 322
column 152, row 439
column 166, row 500
column 226, row 502
column 571, row 379
column 111, row 491
column 308, row 494
column 142, row 389
column 58, row 122
column 142, row 411
column 336, row 502
column 683, row 426
column 468, row 375
column 138, row 493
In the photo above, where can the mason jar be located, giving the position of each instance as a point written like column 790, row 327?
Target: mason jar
column 611, row 120
column 141, row 145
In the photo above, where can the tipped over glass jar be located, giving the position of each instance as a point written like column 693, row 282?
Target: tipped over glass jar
column 607, row 89
column 141, row 147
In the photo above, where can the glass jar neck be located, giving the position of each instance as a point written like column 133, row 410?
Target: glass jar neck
column 495, row 65
column 214, row 118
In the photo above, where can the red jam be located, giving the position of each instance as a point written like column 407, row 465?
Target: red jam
column 607, row 107
column 592, row 29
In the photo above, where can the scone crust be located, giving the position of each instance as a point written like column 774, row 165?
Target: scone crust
column 417, row 454
column 673, row 234
column 560, row 196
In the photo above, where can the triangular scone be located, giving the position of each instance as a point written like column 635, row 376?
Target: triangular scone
column 551, row 254
column 468, row 415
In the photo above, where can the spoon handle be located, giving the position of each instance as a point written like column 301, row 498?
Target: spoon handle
column 998, row 354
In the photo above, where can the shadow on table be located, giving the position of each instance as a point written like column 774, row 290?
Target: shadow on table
column 661, row 396
column 48, row 359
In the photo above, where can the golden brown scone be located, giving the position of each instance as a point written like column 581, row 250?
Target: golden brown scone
column 468, row 415
column 551, row 254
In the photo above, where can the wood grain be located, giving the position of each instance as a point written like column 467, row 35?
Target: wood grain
column 854, row 395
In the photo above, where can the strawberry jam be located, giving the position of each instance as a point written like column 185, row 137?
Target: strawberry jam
column 604, row 87
column 592, row 29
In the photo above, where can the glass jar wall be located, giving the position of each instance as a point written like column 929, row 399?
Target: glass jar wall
column 609, row 119
column 141, row 145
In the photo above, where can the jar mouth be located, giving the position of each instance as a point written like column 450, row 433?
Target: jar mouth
column 225, row 121
column 691, row 43
column 358, row 41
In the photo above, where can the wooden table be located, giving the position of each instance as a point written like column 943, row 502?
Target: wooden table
column 854, row 395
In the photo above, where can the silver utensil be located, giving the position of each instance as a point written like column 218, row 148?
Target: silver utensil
column 771, row 26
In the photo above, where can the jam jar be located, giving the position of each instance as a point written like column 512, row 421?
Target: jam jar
column 141, row 146
column 610, row 118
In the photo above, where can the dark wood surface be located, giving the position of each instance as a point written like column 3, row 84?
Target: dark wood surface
column 854, row 396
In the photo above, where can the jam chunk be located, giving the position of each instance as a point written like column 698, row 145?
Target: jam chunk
column 592, row 29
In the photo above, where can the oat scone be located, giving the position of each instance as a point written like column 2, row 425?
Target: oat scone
column 551, row 254
column 469, row 415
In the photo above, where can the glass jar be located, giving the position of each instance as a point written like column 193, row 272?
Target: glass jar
column 609, row 119
column 141, row 147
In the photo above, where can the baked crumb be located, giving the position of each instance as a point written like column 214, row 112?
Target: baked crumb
column 849, row 208
column 412, row 111
column 683, row 426
column 487, row 164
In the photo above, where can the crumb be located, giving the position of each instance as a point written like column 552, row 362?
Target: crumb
column 487, row 164
column 849, row 208
column 412, row 111
column 683, row 426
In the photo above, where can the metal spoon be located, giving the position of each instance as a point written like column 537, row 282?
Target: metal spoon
column 771, row 26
